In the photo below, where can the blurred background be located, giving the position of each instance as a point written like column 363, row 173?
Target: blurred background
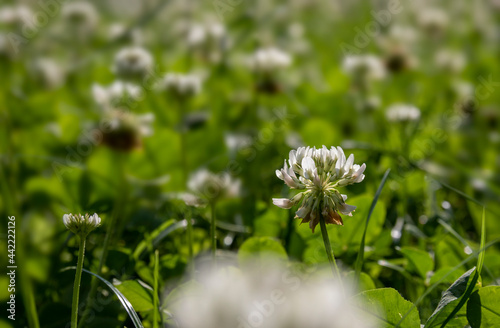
column 144, row 111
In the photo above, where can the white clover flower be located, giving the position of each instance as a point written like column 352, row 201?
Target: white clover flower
column 210, row 186
column 48, row 72
column 364, row 67
column 15, row 15
column 319, row 172
column 201, row 34
column 450, row 61
column 433, row 20
column 115, row 94
column 133, row 63
column 271, row 297
column 123, row 130
column 268, row 60
column 81, row 224
column 402, row 113
column 182, row 85
column 81, row 14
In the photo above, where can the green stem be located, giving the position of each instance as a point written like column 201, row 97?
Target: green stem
column 76, row 286
column 112, row 225
column 190, row 239
column 212, row 232
column 328, row 248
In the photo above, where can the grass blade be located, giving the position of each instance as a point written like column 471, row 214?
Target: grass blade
column 475, row 278
column 361, row 253
column 431, row 288
column 125, row 302
column 155, row 290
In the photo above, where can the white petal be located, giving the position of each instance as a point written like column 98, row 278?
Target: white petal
column 283, row 202
column 346, row 209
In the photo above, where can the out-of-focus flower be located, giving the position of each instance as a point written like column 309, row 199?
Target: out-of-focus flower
column 181, row 85
column 133, row 63
column 15, row 16
column 433, row 21
column 399, row 59
column 117, row 94
column 121, row 32
column 235, row 142
column 48, row 72
column 82, row 18
column 364, row 67
column 450, row 61
column 269, row 60
column 209, row 187
column 267, row 298
column 81, row 224
column 319, row 172
column 201, row 34
column 402, row 113
column 123, row 130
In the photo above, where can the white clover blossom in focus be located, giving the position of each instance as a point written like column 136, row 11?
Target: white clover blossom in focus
column 319, row 172
column 81, row 224
column 402, row 113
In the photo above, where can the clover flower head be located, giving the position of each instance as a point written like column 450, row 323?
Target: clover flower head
column 433, row 20
column 123, row 130
column 182, row 85
column 15, row 15
column 268, row 60
column 48, row 72
column 210, row 186
column 115, row 94
column 81, row 13
column 450, row 61
column 364, row 67
column 229, row 298
column 202, row 34
column 81, row 224
column 402, row 113
column 319, row 172
column 133, row 63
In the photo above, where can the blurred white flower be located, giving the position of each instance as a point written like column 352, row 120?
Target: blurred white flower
column 364, row 67
column 201, row 34
column 81, row 15
column 319, row 172
column 48, row 72
column 210, row 186
column 116, row 94
column 133, row 63
column 236, row 141
column 268, row 298
column 450, row 61
column 182, row 85
column 269, row 60
column 16, row 16
column 123, row 130
column 120, row 31
column 433, row 21
column 81, row 224
column 402, row 113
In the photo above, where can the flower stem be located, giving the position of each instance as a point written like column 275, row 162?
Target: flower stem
column 212, row 232
column 190, row 240
column 76, row 286
column 328, row 248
